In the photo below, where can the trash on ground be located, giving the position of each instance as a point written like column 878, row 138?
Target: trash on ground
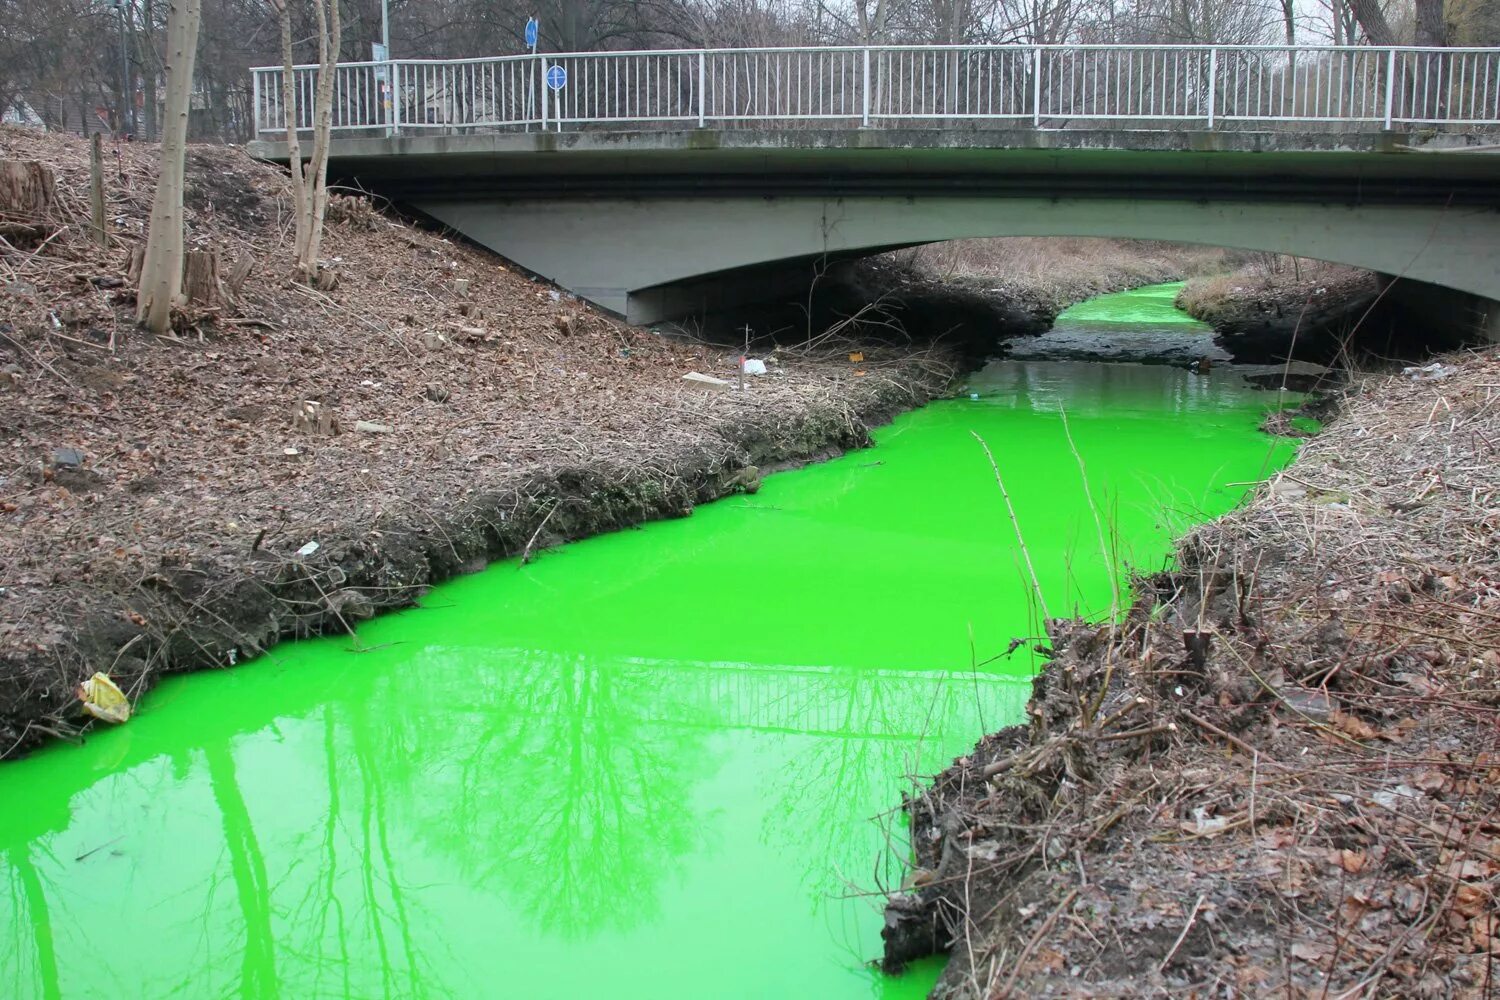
column 308, row 549
column 103, row 699
column 857, row 356
column 369, row 427
column 754, row 366
column 706, row 381
column 1435, row 372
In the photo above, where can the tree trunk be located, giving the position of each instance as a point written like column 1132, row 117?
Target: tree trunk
column 161, row 270
column 330, row 38
column 1372, row 19
column 146, row 54
column 289, row 106
column 1434, row 74
column 1432, row 29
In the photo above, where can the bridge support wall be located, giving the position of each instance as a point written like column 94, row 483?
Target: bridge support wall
column 637, row 256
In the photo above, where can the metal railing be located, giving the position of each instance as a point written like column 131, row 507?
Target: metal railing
column 1045, row 86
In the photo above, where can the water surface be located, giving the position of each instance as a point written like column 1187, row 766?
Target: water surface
column 645, row 765
column 1143, row 324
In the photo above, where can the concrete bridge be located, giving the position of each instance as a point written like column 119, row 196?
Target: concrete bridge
column 710, row 178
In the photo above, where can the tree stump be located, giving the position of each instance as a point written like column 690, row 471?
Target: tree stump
column 201, row 284
column 27, row 193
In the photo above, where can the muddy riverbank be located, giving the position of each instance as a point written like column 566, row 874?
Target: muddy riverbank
column 173, row 504
column 1279, row 774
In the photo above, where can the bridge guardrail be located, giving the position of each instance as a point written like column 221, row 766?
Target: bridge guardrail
column 1044, row 86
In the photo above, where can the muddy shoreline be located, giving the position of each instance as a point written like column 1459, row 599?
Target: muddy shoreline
column 199, row 618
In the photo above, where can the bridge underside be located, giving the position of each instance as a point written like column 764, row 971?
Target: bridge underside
column 639, row 257
column 655, row 225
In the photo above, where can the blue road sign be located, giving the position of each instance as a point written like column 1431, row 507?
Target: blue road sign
column 531, row 29
column 557, row 78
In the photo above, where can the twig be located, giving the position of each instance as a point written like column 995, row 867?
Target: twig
column 1015, row 523
column 1041, row 932
column 1183, row 936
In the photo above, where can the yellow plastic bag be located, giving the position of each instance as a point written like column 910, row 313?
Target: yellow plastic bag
column 103, row 700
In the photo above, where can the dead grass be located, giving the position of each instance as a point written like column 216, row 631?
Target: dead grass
column 1064, row 270
column 1281, row 776
column 1264, row 278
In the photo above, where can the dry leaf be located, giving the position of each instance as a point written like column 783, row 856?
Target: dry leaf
column 1352, row 862
column 1353, row 726
column 1471, row 900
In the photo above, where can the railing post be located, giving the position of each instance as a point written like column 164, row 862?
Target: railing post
column 1390, row 88
column 1036, row 87
column 395, row 85
column 1213, row 85
column 255, row 105
column 864, row 120
column 541, row 83
column 702, row 88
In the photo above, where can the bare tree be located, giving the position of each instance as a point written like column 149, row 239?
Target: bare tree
column 161, row 267
column 1371, row 18
column 310, row 182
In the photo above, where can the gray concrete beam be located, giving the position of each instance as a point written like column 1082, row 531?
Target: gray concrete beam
column 607, row 249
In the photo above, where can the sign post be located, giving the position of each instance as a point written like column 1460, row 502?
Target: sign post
column 380, row 55
column 531, row 35
column 557, row 79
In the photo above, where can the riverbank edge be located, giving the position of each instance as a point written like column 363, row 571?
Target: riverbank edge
column 1113, row 843
column 186, row 621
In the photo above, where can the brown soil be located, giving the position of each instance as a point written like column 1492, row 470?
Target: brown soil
column 1281, row 775
column 514, row 418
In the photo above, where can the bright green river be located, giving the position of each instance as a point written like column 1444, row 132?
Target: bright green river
column 646, row 765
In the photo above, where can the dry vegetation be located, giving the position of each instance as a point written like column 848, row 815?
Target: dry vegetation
column 1270, row 280
column 1281, row 775
column 154, row 492
column 1062, row 271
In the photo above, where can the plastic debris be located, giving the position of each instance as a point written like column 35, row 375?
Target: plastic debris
column 974, row 396
column 754, row 366
column 67, row 458
column 857, row 356
column 1434, row 372
column 104, row 700
column 369, row 427
column 308, row 549
column 706, row 381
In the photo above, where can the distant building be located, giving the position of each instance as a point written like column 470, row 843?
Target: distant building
column 18, row 112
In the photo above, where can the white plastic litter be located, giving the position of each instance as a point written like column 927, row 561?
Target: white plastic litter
column 754, row 366
column 1435, row 372
column 703, row 381
column 308, row 549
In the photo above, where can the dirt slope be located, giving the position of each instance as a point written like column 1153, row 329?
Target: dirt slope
column 154, row 494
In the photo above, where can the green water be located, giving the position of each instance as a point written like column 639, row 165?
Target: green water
column 644, row 765
column 1155, row 304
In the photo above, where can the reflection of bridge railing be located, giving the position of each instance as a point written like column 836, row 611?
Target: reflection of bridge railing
column 1232, row 87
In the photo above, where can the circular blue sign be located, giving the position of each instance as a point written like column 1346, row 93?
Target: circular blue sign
column 557, row 78
column 531, row 32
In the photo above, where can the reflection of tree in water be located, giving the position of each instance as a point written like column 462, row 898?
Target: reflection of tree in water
column 353, row 922
column 563, row 783
column 885, row 728
column 28, row 912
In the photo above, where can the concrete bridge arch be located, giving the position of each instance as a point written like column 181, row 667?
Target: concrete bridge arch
column 657, row 224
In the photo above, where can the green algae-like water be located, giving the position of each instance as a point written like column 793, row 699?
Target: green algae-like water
column 645, row 765
column 1152, row 304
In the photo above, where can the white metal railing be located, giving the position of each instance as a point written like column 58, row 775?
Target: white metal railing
column 1045, row 86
